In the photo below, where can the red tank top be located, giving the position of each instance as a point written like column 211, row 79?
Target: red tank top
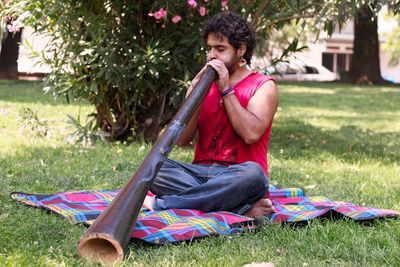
column 217, row 141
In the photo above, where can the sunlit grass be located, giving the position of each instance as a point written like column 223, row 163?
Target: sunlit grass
column 333, row 140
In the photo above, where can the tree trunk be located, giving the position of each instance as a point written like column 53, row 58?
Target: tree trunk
column 365, row 66
column 9, row 56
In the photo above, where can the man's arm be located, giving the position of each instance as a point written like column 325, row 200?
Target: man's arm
column 250, row 123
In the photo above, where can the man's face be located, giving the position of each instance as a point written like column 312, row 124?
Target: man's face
column 220, row 48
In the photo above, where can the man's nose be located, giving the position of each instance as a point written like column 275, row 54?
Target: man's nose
column 211, row 55
column 209, row 58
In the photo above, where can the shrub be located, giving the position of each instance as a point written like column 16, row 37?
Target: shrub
column 33, row 123
column 132, row 60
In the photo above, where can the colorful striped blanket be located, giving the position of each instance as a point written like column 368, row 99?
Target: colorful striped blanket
column 290, row 205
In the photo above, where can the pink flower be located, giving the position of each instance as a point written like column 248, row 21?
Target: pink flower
column 192, row 3
column 3, row 111
column 176, row 19
column 224, row 3
column 13, row 27
column 202, row 11
column 160, row 14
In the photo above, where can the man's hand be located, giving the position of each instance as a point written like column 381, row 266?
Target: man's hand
column 223, row 74
column 196, row 80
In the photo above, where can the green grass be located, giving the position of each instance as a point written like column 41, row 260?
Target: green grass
column 334, row 140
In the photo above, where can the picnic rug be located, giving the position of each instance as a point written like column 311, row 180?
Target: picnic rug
column 169, row 226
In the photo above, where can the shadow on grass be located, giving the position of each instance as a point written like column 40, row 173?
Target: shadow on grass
column 350, row 143
column 335, row 84
column 347, row 98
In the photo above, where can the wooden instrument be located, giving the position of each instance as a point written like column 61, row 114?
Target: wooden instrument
column 107, row 239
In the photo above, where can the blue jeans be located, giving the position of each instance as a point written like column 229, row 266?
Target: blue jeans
column 209, row 187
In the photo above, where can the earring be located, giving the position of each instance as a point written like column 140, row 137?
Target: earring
column 242, row 62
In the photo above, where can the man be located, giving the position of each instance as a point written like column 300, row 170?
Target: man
column 229, row 170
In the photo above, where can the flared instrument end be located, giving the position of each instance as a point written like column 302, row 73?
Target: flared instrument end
column 100, row 248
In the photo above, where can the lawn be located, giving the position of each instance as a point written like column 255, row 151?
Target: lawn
column 334, row 140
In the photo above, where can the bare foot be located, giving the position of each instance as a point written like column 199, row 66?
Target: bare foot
column 261, row 207
column 147, row 203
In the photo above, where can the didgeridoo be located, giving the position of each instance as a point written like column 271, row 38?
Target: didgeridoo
column 107, row 238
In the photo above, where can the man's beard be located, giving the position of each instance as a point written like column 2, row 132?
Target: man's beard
column 233, row 65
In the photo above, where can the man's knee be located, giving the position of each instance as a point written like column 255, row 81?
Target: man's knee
column 253, row 169
column 252, row 174
column 255, row 179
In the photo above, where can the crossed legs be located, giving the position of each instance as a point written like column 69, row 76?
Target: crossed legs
column 239, row 188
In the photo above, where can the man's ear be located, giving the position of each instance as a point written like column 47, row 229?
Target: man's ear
column 242, row 49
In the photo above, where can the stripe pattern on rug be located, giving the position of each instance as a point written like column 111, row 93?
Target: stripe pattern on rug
column 169, row 226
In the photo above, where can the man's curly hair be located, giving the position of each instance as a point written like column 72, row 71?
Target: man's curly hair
column 235, row 28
